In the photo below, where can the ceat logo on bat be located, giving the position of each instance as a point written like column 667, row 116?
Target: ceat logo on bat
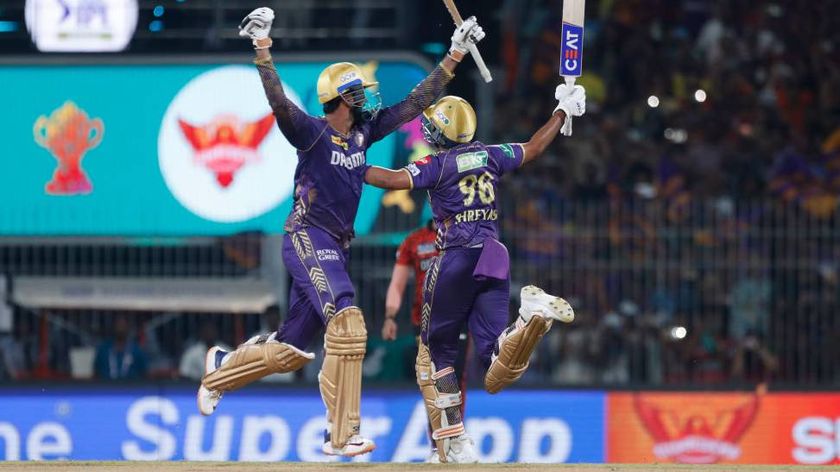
column 571, row 52
column 219, row 149
column 697, row 432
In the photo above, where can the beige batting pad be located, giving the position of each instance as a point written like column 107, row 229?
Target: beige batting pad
column 251, row 362
column 341, row 375
column 514, row 352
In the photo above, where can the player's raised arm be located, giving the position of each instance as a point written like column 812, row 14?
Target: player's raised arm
column 293, row 122
column 571, row 102
column 427, row 91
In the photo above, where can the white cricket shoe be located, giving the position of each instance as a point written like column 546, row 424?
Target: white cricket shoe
column 535, row 300
column 355, row 446
column 208, row 399
column 433, row 458
column 461, row 450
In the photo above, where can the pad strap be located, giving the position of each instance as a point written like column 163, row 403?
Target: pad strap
column 441, row 397
column 251, row 362
column 513, row 352
column 340, row 378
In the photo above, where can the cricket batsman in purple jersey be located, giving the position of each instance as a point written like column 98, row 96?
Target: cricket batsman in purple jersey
column 469, row 282
column 328, row 185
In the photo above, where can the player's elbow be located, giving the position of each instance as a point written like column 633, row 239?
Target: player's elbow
column 532, row 150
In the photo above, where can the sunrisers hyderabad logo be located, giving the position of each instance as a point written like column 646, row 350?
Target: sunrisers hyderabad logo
column 68, row 133
column 696, row 432
column 219, row 149
column 226, row 144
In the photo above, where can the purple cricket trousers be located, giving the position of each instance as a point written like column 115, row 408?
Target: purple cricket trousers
column 454, row 296
column 320, row 288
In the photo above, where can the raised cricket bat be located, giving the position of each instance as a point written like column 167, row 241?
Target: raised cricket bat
column 571, row 52
column 479, row 61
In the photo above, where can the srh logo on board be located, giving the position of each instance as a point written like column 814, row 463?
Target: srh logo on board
column 220, row 152
column 226, row 143
column 68, row 133
column 701, row 433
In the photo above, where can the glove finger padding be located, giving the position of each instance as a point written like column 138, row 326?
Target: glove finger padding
column 476, row 34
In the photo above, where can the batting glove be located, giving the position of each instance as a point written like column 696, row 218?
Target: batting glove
column 572, row 100
column 470, row 32
column 257, row 24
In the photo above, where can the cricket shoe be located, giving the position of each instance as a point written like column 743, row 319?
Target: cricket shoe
column 434, row 457
column 208, row 399
column 461, row 450
column 535, row 300
column 355, row 446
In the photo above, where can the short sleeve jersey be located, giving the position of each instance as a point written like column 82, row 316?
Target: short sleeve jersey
column 462, row 184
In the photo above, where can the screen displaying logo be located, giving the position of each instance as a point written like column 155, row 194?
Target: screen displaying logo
column 68, row 134
column 571, row 52
column 81, row 25
column 702, row 435
column 226, row 144
column 219, row 150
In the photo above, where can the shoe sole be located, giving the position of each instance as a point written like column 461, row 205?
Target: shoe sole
column 351, row 454
column 209, row 367
column 560, row 309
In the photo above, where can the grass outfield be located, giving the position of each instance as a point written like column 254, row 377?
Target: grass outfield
column 379, row 467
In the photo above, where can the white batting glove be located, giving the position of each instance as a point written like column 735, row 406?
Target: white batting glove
column 257, row 24
column 469, row 32
column 572, row 100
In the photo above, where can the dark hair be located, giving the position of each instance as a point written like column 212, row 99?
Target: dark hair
column 332, row 105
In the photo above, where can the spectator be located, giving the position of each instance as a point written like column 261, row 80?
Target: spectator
column 192, row 361
column 119, row 357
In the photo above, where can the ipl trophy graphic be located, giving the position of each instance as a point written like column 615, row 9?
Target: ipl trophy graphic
column 68, row 133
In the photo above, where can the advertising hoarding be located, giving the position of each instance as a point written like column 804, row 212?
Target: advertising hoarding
column 264, row 425
column 707, row 427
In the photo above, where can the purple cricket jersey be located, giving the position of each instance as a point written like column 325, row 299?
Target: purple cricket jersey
column 462, row 184
column 331, row 166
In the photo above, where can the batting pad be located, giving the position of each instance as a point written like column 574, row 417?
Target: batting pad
column 340, row 378
column 442, row 397
column 251, row 362
column 515, row 346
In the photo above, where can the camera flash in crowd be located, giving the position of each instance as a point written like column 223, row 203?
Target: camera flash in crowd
column 700, row 95
column 653, row 101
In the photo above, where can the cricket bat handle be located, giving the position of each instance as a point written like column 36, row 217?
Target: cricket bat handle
column 567, row 125
column 479, row 61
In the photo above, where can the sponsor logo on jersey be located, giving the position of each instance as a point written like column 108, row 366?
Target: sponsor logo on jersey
column 423, row 160
column 214, row 153
column 471, row 160
column 508, row 150
column 68, row 134
column 413, row 170
column 348, row 162
column 702, row 433
column 338, row 141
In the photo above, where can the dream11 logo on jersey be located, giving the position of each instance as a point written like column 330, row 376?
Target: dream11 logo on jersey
column 219, row 149
column 696, row 432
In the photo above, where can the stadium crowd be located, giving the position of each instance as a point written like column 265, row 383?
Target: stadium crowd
column 691, row 220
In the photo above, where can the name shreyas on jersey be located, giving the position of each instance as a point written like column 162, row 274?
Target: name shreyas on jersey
column 481, row 214
column 348, row 162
